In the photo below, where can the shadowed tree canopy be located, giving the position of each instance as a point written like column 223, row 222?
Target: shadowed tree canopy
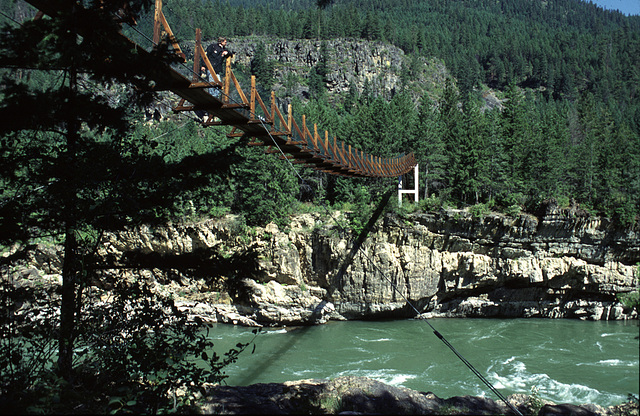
column 70, row 163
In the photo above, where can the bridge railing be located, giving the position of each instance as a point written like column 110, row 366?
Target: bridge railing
column 279, row 133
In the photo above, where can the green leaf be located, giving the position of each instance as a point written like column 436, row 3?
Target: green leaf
column 115, row 400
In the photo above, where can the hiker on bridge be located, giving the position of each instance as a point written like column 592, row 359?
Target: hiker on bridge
column 217, row 52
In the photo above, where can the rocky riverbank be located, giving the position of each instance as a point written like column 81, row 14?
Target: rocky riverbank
column 359, row 395
column 449, row 263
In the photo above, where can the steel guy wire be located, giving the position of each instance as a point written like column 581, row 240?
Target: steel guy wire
column 10, row 18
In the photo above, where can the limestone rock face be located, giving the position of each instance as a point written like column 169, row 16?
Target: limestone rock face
column 351, row 64
column 445, row 264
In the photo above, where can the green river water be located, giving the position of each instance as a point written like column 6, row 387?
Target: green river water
column 568, row 361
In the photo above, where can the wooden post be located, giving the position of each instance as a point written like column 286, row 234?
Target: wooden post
column 157, row 24
column 273, row 110
column 252, row 103
column 326, row 143
column 304, row 131
column 196, row 56
column 315, row 136
column 227, row 80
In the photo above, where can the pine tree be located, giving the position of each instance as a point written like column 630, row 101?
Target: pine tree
column 318, row 74
column 513, row 131
column 265, row 187
column 551, row 153
column 70, row 165
column 262, row 67
column 452, row 121
column 430, row 149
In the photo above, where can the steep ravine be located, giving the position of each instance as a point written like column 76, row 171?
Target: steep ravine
column 447, row 264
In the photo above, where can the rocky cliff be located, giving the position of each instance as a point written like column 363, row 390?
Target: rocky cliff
column 383, row 68
column 446, row 264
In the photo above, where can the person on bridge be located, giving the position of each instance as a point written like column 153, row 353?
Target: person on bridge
column 206, row 77
column 217, row 52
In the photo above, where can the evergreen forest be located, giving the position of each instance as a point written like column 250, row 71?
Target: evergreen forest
column 568, row 73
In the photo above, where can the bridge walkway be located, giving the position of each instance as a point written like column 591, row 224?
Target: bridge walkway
column 249, row 115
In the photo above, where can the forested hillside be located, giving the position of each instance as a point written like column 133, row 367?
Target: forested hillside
column 566, row 72
column 561, row 45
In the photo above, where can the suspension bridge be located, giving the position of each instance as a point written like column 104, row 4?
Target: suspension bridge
column 249, row 116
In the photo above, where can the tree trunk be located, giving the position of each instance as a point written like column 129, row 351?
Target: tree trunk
column 71, row 267
column 70, row 271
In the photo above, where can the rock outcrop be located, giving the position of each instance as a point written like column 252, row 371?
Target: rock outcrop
column 351, row 64
column 448, row 264
column 360, row 395
column 445, row 264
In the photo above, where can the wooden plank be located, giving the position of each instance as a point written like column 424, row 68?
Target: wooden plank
column 209, row 66
column 283, row 123
column 196, row 56
column 156, row 22
column 225, row 106
column 254, row 91
column 264, row 108
column 238, row 88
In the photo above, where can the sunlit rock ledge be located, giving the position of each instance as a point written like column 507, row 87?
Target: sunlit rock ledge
column 447, row 264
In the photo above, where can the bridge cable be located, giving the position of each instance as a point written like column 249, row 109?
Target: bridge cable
column 10, row 18
column 420, row 316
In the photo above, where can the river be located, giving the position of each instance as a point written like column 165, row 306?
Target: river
column 567, row 361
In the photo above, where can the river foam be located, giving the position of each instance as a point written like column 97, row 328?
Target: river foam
column 517, row 377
